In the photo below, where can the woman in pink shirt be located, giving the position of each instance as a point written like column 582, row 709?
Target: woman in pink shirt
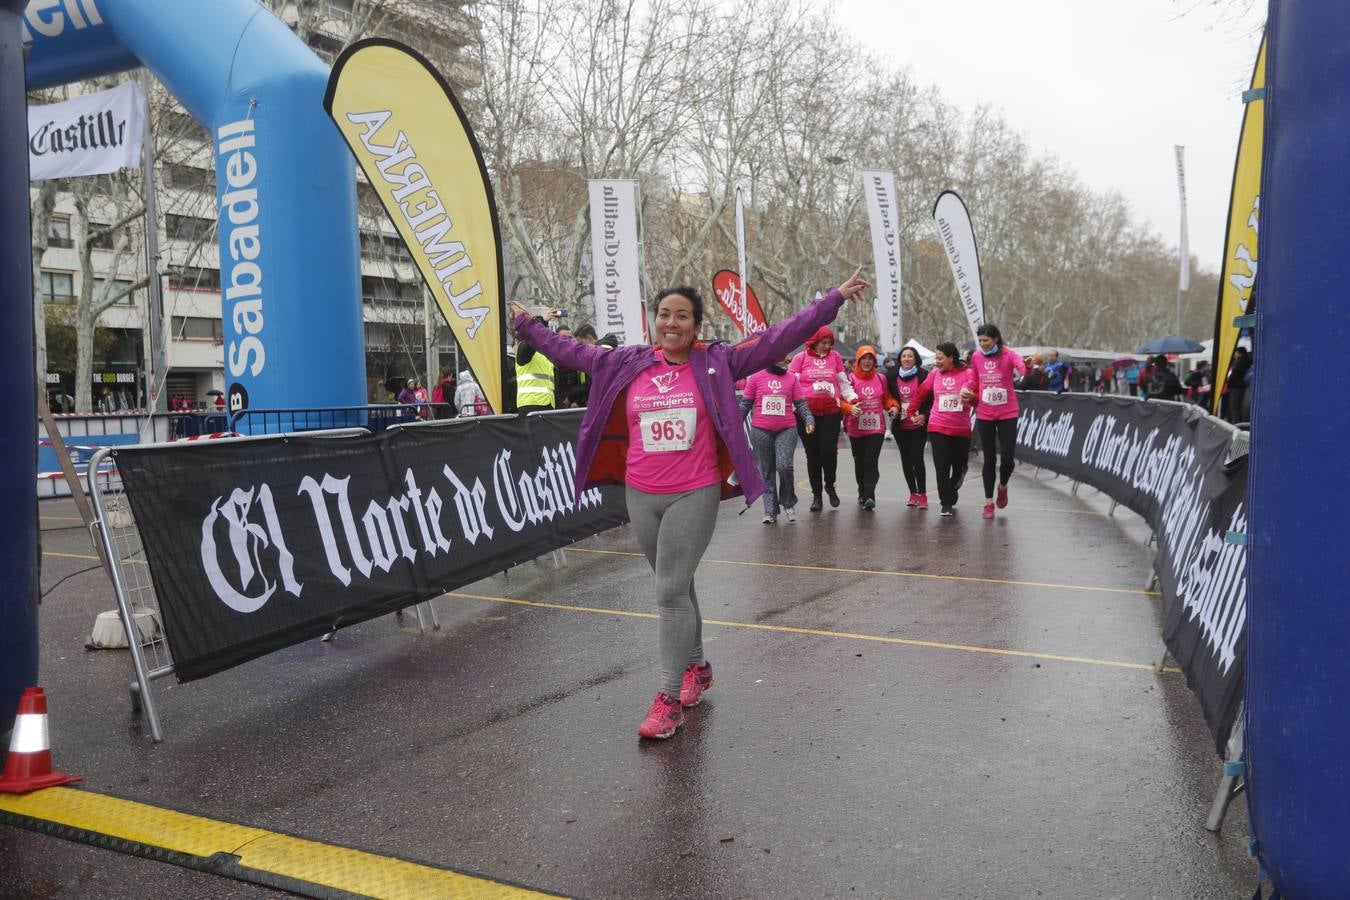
column 996, row 417
column 950, row 386
column 663, row 421
column 823, row 375
column 866, row 418
column 904, row 383
column 774, row 400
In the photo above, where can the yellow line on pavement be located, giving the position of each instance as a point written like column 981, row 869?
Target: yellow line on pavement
column 836, row 569
column 818, row 632
column 238, row 851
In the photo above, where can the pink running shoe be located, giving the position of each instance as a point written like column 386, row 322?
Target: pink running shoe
column 663, row 718
column 989, row 510
column 1002, row 496
column 913, row 500
column 923, row 501
column 697, row 679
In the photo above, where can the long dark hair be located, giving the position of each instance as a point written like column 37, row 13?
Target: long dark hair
column 990, row 331
column 948, row 349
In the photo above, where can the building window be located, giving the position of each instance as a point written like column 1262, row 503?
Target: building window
column 338, row 9
column 326, row 47
column 58, row 287
column 101, row 238
column 197, row 328
column 384, row 246
column 58, row 232
column 390, row 291
column 188, row 228
column 194, row 278
column 119, row 285
column 177, row 175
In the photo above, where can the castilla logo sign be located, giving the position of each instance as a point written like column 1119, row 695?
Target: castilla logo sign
column 742, row 305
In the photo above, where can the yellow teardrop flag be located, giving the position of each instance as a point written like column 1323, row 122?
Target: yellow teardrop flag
column 411, row 138
column 1244, row 213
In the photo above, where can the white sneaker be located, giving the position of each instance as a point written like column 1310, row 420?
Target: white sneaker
column 791, row 514
column 770, row 520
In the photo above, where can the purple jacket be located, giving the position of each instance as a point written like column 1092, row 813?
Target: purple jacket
column 716, row 367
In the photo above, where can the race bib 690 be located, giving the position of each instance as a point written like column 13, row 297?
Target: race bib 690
column 773, row 406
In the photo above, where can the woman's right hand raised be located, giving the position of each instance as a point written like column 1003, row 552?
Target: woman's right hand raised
column 854, row 286
column 516, row 309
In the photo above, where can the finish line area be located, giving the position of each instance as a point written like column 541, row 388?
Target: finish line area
column 904, row 706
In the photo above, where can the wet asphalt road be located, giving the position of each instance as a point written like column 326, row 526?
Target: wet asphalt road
column 860, row 739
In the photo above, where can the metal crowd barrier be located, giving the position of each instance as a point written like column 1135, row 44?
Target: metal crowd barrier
column 374, row 417
column 115, row 529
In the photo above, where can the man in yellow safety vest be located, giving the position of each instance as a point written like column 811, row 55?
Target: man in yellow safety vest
column 534, row 379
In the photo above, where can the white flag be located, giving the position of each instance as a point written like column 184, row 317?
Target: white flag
column 1184, row 279
column 740, row 240
column 958, row 239
column 614, row 258
column 93, row 134
column 883, row 212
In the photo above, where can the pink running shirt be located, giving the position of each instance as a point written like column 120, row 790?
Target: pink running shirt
column 772, row 397
column 872, row 394
column 671, row 448
column 948, row 415
column 997, row 399
column 820, row 378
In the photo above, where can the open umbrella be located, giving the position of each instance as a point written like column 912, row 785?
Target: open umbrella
column 1171, row 344
column 215, row 393
column 1124, row 362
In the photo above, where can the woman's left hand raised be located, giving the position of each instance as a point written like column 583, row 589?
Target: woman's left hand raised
column 515, row 309
column 854, row 286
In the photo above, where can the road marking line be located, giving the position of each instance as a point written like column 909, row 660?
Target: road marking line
column 831, row 569
column 818, row 632
column 238, row 851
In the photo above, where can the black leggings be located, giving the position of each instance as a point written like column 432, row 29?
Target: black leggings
column 910, row 441
column 1006, row 430
column 822, row 449
column 866, row 458
column 951, row 455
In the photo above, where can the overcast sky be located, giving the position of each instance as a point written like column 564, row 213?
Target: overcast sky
column 1107, row 86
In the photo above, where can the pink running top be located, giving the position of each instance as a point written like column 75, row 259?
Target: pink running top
column 671, row 448
column 823, row 378
column 997, row 399
column 949, row 414
column 772, row 397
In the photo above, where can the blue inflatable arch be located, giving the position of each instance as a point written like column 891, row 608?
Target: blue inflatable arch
column 285, row 182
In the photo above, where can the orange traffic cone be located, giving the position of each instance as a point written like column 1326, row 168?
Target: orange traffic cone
column 29, row 765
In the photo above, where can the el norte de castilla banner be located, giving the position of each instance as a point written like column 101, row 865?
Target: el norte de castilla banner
column 412, row 140
column 93, row 134
column 958, row 240
column 1173, row 465
column 255, row 545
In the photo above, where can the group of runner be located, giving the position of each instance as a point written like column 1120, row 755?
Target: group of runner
column 917, row 405
column 665, row 422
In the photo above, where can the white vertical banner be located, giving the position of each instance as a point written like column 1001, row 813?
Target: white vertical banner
column 740, row 240
column 1184, row 279
column 93, row 134
column 614, row 259
column 958, row 239
column 883, row 212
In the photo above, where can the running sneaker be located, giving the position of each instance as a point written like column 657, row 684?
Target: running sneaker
column 791, row 513
column 663, row 718
column 1002, row 496
column 770, row 520
column 869, row 504
column 834, row 498
column 923, row 501
column 913, row 499
column 946, row 511
column 697, row 679
column 989, row 510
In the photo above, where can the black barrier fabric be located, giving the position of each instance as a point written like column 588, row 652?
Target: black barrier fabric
column 1166, row 462
column 256, row 545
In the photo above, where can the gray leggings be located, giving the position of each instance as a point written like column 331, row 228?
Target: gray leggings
column 674, row 530
column 774, row 451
